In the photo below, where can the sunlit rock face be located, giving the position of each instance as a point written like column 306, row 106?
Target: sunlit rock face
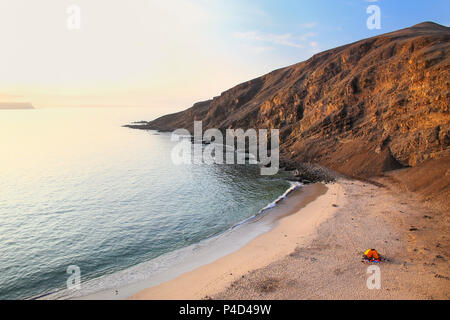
column 362, row 109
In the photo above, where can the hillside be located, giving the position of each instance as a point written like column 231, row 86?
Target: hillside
column 361, row 109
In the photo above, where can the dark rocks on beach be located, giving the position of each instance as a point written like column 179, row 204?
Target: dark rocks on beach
column 439, row 276
column 204, row 142
column 308, row 173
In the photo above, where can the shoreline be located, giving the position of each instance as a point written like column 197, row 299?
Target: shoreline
column 197, row 255
column 315, row 253
column 106, row 286
column 296, row 226
column 313, row 239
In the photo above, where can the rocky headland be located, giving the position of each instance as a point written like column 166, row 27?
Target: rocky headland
column 362, row 110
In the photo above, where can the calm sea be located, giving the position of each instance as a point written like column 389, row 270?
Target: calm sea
column 76, row 188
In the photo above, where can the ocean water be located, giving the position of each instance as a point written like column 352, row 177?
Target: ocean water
column 76, row 188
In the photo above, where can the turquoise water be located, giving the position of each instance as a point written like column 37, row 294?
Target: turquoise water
column 78, row 189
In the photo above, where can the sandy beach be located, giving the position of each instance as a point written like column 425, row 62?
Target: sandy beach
column 315, row 252
column 291, row 231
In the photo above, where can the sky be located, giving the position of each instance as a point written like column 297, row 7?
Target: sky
column 171, row 54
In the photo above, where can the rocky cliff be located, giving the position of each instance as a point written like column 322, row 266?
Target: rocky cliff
column 15, row 105
column 361, row 109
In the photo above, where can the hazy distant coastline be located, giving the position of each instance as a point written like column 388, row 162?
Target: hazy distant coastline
column 15, row 105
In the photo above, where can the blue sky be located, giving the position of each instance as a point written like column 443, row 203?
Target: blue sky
column 172, row 53
column 330, row 23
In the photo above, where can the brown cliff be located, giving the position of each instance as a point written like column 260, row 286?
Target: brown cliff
column 361, row 109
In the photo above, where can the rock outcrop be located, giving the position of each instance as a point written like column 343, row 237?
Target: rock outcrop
column 15, row 105
column 361, row 109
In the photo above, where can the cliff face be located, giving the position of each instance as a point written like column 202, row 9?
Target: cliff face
column 361, row 109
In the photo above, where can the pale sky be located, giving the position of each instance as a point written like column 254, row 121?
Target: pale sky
column 170, row 54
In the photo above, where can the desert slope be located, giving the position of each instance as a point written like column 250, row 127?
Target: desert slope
column 362, row 109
